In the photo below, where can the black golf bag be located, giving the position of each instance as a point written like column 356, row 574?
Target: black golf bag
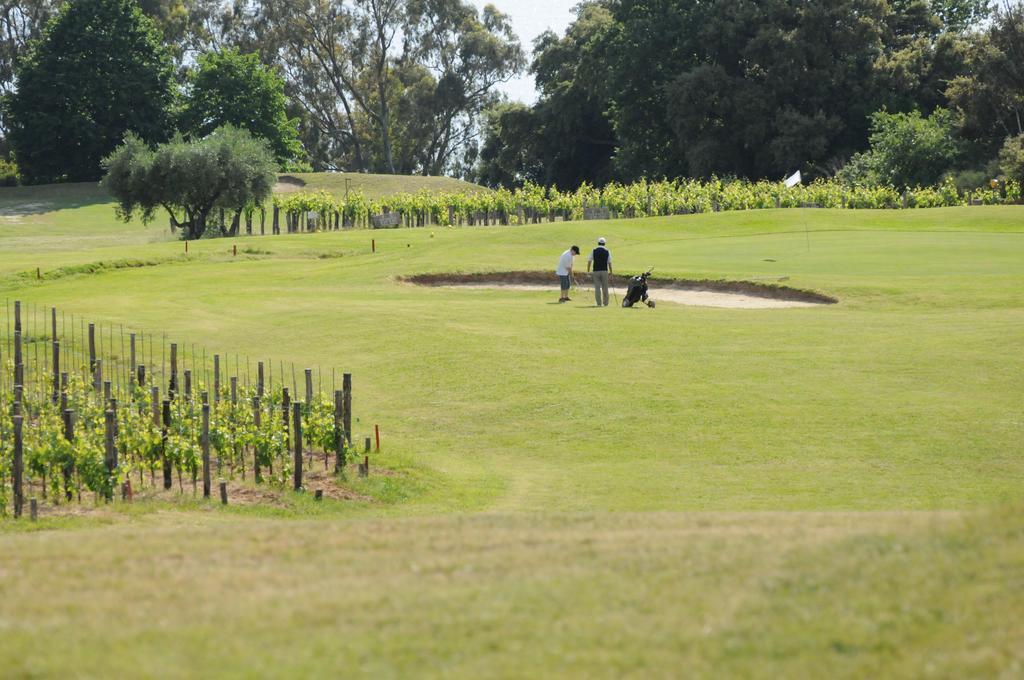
column 637, row 291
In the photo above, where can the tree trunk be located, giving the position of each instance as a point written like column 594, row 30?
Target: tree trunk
column 235, row 221
column 385, row 124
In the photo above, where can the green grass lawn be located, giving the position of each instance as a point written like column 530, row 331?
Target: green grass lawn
column 679, row 491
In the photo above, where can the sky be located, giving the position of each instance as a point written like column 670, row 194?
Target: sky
column 530, row 18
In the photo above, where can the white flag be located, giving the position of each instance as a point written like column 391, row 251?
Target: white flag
column 794, row 179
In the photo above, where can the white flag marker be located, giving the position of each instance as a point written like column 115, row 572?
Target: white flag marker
column 794, row 179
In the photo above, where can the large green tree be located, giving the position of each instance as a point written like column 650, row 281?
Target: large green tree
column 739, row 87
column 229, row 169
column 780, row 85
column 228, row 87
column 990, row 95
column 389, row 85
column 98, row 71
column 567, row 137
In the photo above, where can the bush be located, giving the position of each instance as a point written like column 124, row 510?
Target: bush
column 1011, row 158
column 907, row 150
column 8, row 174
column 969, row 180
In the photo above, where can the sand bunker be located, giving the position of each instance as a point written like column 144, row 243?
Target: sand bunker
column 286, row 184
column 707, row 293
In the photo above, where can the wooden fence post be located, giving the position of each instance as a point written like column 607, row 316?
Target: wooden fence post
column 339, row 431
column 131, row 353
column 140, row 375
column 259, row 380
column 92, row 348
column 19, row 366
column 172, row 385
column 17, row 467
column 110, row 453
column 286, row 407
column 56, row 371
column 168, row 480
column 224, row 493
column 97, row 377
column 216, row 378
column 346, row 386
column 69, row 466
column 257, row 420
column 309, row 388
column 206, row 450
column 188, row 384
column 297, row 436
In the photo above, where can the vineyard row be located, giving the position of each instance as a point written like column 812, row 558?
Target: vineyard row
column 319, row 211
column 80, row 411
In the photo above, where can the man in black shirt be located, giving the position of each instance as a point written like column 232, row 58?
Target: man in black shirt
column 601, row 260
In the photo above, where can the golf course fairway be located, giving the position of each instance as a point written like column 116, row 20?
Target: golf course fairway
column 683, row 491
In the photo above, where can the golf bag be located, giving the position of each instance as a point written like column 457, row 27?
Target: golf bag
column 637, row 291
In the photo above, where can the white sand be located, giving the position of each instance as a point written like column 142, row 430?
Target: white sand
column 693, row 298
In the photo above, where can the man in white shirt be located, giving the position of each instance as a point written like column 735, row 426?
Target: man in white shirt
column 564, row 271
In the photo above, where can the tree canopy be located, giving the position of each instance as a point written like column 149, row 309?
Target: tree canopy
column 226, row 87
column 229, row 169
column 389, row 85
column 99, row 70
column 754, row 88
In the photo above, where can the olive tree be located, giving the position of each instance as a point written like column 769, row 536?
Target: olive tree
column 229, row 169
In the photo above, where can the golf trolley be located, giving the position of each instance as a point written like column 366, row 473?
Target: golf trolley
column 637, row 290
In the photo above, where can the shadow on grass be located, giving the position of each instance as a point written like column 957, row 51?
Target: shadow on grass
column 43, row 198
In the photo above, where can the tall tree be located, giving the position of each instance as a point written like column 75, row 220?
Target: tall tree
column 990, row 95
column 20, row 22
column 228, row 87
column 389, row 85
column 566, row 138
column 758, row 88
column 98, row 71
column 467, row 54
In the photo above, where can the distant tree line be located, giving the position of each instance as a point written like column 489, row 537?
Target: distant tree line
column 898, row 92
column 396, row 86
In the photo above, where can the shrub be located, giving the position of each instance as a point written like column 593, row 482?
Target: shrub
column 8, row 174
column 1011, row 158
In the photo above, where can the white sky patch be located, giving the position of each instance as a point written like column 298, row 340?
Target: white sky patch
column 530, row 18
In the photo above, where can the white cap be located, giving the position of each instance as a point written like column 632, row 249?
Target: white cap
column 600, row 241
